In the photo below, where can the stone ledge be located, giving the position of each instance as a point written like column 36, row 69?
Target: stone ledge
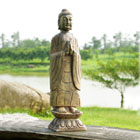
column 35, row 129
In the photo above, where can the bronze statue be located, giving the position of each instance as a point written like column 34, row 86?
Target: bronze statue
column 65, row 74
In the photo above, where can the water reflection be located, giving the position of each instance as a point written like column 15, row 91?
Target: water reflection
column 92, row 94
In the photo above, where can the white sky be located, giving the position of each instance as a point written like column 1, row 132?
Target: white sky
column 38, row 18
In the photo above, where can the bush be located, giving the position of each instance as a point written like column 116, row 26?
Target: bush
column 86, row 54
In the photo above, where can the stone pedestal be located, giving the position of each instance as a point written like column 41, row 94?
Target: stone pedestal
column 67, row 122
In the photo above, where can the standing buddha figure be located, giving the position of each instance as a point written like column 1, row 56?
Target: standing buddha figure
column 65, row 67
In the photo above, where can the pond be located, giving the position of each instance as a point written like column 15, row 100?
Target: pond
column 92, row 93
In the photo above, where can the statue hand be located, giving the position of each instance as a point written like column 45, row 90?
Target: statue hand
column 67, row 51
column 71, row 51
column 71, row 48
column 67, row 48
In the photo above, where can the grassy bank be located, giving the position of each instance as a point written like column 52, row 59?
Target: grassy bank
column 99, row 116
column 37, row 70
column 22, row 67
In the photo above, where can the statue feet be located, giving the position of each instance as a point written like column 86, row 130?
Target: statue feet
column 66, row 110
column 74, row 110
column 59, row 109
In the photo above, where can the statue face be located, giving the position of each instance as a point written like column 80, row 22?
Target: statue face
column 65, row 23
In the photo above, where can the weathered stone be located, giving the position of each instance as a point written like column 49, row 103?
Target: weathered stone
column 17, row 95
column 25, row 127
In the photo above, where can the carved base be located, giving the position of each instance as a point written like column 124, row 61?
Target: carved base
column 67, row 125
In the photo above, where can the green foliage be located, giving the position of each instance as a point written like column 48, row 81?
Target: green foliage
column 116, row 74
column 86, row 54
column 110, row 47
column 114, row 71
column 95, row 43
column 112, row 117
column 39, row 69
column 30, row 49
column 27, row 49
column 20, row 53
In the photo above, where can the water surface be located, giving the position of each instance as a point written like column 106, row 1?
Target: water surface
column 92, row 93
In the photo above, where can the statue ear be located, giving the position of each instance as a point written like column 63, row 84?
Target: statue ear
column 59, row 25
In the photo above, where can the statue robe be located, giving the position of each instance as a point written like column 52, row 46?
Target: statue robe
column 65, row 71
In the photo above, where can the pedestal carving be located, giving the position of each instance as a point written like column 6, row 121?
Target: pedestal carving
column 66, row 122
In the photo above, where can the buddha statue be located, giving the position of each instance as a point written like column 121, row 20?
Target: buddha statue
column 65, row 77
column 65, row 67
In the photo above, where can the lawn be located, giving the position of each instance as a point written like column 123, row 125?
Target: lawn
column 112, row 117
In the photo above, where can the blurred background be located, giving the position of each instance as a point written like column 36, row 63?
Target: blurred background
column 108, row 32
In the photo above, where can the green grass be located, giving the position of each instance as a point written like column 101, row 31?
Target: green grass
column 112, row 117
column 38, row 70
column 45, row 115
column 99, row 116
column 20, row 67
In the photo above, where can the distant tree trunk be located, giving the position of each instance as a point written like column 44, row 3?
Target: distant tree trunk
column 2, row 37
column 122, row 100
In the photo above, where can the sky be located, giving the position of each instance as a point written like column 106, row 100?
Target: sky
column 38, row 18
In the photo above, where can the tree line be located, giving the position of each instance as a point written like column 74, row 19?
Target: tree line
column 120, row 43
column 29, row 49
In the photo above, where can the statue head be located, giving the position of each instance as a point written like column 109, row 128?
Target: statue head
column 65, row 20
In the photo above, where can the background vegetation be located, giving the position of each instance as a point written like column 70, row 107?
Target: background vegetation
column 114, row 63
column 16, row 51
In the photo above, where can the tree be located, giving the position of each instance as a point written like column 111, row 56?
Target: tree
column 28, row 43
column 118, row 39
column 96, row 43
column 45, row 42
column 16, row 39
column 2, row 37
column 104, row 38
column 116, row 74
column 86, row 54
column 137, row 41
column 137, row 38
column 42, row 53
column 87, row 46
